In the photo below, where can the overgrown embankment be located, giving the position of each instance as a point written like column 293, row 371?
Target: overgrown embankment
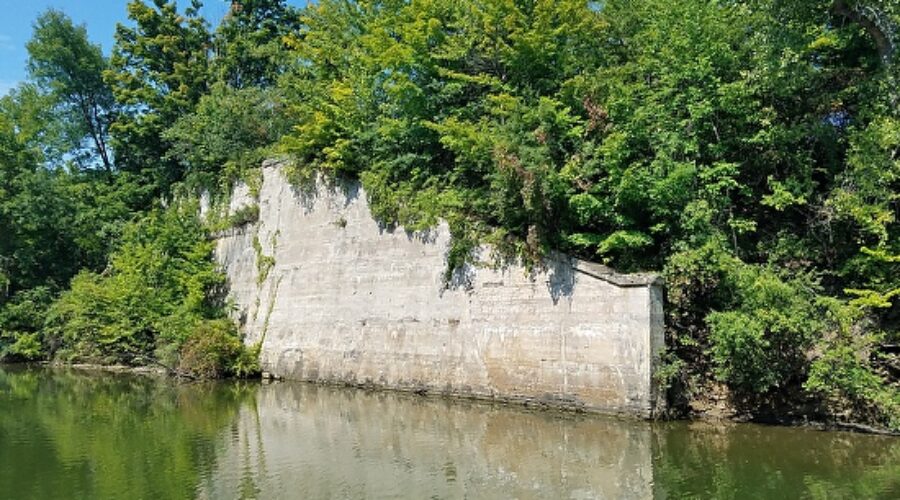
column 748, row 150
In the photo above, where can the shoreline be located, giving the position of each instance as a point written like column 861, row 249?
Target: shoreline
column 525, row 404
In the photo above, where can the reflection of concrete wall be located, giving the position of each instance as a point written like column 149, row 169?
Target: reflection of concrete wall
column 350, row 301
column 306, row 441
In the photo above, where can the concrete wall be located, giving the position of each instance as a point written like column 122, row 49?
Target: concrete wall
column 336, row 297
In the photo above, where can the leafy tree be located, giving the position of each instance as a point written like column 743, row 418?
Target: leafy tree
column 70, row 69
column 748, row 149
column 158, row 72
column 21, row 318
column 153, row 293
column 54, row 220
column 129, row 302
column 35, row 247
column 228, row 132
column 159, row 301
column 439, row 108
column 249, row 42
column 33, row 210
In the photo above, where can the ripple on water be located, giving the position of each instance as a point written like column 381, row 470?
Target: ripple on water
column 76, row 435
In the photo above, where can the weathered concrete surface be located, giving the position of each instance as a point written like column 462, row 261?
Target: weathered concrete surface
column 335, row 297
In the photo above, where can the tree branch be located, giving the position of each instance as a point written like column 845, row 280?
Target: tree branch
column 880, row 34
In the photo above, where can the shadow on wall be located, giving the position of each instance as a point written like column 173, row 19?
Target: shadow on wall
column 462, row 278
column 307, row 190
column 348, row 191
column 559, row 268
column 561, row 282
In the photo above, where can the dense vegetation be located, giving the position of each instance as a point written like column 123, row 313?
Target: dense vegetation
column 104, row 257
column 748, row 150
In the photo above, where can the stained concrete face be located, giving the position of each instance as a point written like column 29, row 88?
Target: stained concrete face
column 335, row 297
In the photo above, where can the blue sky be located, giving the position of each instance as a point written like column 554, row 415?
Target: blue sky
column 100, row 17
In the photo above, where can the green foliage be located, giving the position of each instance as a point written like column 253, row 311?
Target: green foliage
column 450, row 109
column 249, row 43
column 219, row 220
column 154, row 291
column 139, row 278
column 158, row 72
column 20, row 321
column 760, row 342
column 845, row 371
column 749, row 149
column 194, row 101
column 33, row 209
column 70, row 69
column 247, row 214
column 264, row 263
column 158, row 292
column 228, row 132
column 54, row 221
column 867, row 199
column 214, row 350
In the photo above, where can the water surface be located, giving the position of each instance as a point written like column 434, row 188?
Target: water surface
column 71, row 434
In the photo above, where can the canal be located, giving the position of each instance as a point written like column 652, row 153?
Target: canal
column 66, row 433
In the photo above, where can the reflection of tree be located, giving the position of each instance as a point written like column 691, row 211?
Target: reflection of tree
column 750, row 461
column 109, row 436
column 66, row 434
column 253, row 463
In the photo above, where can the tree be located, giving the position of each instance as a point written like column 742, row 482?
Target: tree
column 158, row 72
column 36, row 248
column 64, row 63
column 249, row 42
column 878, row 17
column 33, row 210
column 228, row 131
column 53, row 220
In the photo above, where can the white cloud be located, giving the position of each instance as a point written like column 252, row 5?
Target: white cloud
column 6, row 43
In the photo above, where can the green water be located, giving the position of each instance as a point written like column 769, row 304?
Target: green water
column 70, row 434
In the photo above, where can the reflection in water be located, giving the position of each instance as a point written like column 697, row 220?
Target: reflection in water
column 752, row 461
column 312, row 442
column 70, row 435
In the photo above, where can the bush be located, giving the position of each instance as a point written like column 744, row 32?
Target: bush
column 761, row 342
column 248, row 214
column 161, row 282
column 845, row 369
column 214, row 350
column 21, row 320
column 228, row 130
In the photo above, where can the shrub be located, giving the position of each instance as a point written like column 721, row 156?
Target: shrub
column 160, row 283
column 214, row 350
column 20, row 322
column 228, row 130
column 845, row 369
column 761, row 342
column 248, row 214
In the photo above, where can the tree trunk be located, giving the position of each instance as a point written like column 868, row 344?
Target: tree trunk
column 879, row 29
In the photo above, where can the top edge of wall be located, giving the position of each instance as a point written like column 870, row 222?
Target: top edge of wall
column 610, row 275
column 593, row 269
